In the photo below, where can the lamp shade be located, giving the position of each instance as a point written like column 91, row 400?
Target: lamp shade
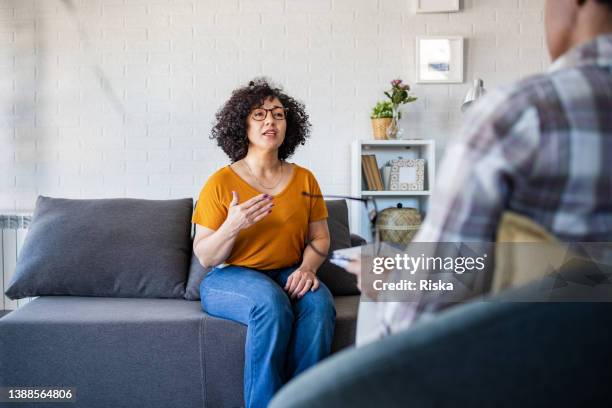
column 476, row 91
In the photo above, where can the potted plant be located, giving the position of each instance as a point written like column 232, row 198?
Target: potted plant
column 398, row 95
column 381, row 116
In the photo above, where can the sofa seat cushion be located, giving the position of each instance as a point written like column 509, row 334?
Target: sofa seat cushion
column 115, row 351
column 346, row 321
column 134, row 352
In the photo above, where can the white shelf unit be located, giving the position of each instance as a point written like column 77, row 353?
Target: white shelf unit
column 386, row 150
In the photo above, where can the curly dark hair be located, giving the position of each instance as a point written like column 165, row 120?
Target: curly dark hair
column 230, row 128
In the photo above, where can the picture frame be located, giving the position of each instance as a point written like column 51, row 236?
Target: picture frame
column 436, row 6
column 407, row 175
column 439, row 59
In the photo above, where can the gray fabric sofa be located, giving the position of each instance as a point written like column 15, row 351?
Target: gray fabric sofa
column 140, row 351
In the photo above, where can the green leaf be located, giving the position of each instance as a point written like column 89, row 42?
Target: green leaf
column 383, row 109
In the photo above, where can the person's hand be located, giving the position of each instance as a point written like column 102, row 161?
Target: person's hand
column 241, row 216
column 301, row 281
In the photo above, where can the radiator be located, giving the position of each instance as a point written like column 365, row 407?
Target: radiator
column 14, row 229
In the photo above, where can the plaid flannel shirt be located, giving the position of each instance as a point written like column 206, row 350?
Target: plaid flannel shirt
column 541, row 148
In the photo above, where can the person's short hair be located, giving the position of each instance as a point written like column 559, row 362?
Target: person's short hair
column 605, row 2
column 230, row 128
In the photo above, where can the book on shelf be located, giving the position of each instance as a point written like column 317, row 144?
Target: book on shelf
column 369, row 181
column 377, row 177
column 372, row 174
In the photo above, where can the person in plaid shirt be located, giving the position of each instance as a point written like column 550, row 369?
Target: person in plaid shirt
column 541, row 148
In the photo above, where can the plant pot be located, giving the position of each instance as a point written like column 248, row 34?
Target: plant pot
column 379, row 127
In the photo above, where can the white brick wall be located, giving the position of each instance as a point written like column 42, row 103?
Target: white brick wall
column 125, row 109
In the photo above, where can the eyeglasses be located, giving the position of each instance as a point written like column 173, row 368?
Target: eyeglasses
column 278, row 113
column 372, row 211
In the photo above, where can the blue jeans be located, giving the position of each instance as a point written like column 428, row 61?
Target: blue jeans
column 284, row 336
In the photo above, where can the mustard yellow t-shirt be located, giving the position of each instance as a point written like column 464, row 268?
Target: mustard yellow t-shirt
column 278, row 240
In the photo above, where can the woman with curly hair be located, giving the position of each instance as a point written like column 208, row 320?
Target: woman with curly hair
column 252, row 222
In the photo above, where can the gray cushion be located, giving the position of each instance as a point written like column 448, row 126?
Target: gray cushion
column 110, row 247
column 339, row 281
column 196, row 274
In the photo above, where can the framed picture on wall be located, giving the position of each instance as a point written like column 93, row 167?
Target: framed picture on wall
column 439, row 59
column 436, row 6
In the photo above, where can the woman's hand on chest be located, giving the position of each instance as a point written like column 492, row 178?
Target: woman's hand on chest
column 244, row 215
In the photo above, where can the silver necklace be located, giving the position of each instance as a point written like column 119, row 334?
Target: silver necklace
column 259, row 182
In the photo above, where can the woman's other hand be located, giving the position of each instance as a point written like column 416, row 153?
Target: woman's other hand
column 301, row 281
column 241, row 216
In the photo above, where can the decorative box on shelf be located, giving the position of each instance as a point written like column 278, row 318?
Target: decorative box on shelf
column 408, row 178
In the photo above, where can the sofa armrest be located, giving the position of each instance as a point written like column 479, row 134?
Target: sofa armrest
column 357, row 240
